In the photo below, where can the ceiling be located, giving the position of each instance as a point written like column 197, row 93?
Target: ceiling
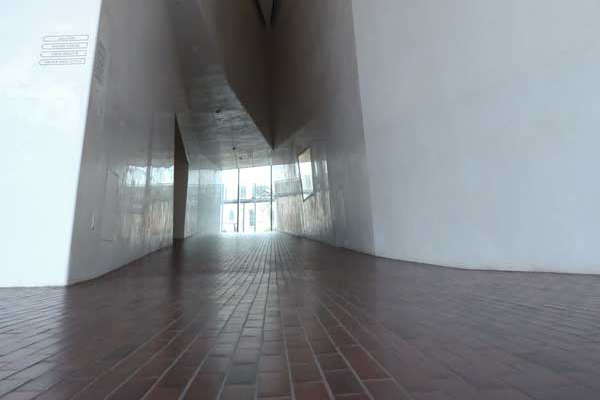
column 215, row 125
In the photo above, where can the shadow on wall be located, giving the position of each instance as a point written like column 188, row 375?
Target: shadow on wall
column 316, row 104
column 243, row 43
column 180, row 186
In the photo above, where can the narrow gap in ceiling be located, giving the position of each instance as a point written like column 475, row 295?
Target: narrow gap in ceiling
column 266, row 9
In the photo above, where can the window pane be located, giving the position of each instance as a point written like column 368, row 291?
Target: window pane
column 230, row 185
column 255, row 183
column 249, row 217
column 306, row 173
column 263, row 217
column 229, row 224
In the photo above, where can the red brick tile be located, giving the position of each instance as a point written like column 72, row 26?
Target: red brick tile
column 273, row 385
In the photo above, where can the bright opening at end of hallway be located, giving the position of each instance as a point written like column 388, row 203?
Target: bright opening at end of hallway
column 247, row 200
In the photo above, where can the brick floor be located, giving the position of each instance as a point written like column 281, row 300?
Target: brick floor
column 276, row 317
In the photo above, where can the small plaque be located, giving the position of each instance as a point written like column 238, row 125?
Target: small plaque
column 66, row 61
column 65, row 46
column 66, row 38
column 62, row 50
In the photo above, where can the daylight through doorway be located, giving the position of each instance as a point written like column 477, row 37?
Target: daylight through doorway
column 247, row 200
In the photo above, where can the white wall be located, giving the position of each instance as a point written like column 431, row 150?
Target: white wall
column 130, row 133
column 42, row 115
column 482, row 125
column 129, row 136
column 316, row 103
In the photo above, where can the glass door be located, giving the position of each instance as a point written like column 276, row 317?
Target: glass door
column 247, row 200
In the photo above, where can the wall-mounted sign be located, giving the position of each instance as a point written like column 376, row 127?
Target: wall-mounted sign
column 64, row 50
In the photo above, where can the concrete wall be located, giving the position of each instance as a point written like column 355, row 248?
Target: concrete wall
column 130, row 140
column 316, row 103
column 42, row 115
column 482, row 121
column 125, row 197
column 238, row 30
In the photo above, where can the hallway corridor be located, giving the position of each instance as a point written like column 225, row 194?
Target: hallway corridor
column 277, row 317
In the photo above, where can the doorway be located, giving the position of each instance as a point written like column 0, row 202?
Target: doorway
column 247, row 200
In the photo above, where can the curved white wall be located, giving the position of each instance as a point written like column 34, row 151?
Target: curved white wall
column 482, row 123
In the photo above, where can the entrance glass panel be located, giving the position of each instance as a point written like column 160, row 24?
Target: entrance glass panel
column 229, row 219
column 249, row 191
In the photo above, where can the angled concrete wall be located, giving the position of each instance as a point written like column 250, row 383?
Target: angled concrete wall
column 238, row 30
column 316, row 104
column 125, row 197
